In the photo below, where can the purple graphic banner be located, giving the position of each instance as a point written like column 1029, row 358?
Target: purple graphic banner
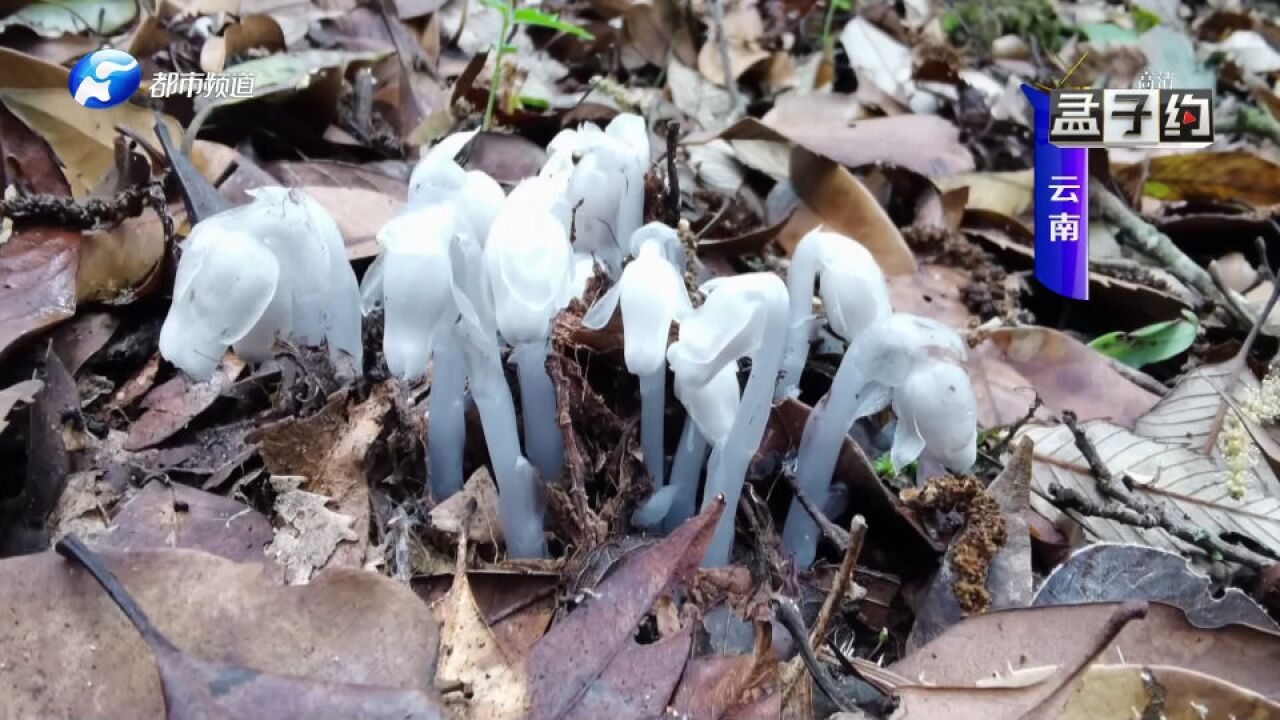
column 1061, row 208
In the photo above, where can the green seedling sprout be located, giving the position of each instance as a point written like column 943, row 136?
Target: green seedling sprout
column 511, row 18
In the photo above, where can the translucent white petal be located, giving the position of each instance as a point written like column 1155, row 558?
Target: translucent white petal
column 481, row 201
column 651, row 291
column 530, row 266
column 185, row 343
column 256, row 345
column 602, row 311
column 719, row 332
column 713, row 404
column 937, row 400
column 232, row 288
column 889, row 348
column 417, row 285
column 371, row 284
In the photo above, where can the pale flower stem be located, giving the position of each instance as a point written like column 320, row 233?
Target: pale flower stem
column 800, row 278
column 446, row 418
column 653, row 395
column 543, row 442
column 824, row 434
column 728, row 465
column 685, row 471
column 520, row 500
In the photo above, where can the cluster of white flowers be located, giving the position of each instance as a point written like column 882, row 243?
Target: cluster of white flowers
column 1259, row 405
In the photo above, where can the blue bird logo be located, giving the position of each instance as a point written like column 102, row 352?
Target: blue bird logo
column 104, row 78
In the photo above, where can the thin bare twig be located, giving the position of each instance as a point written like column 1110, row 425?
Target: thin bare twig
column 998, row 450
column 789, row 615
column 1131, row 510
column 1156, row 245
column 844, row 578
column 832, row 532
column 672, row 200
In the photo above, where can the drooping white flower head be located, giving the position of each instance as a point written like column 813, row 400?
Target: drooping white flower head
column 850, row 282
column 439, row 178
column 530, row 264
column 600, row 173
column 712, row 404
column 729, row 325
column 652, row 295
column 889, row 349
column 309, row 294
column 937, row 417
column 417, row 281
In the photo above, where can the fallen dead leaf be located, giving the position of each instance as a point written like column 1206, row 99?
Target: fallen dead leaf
column 65, row 632
column 517, row 605
column 115, row 263
column 1007, row 193
column 1065, row 373
column 482, row 522
column 942, row 675
column 1113, row 692
column 37, row 282
column 1237, row 175
column 84, row 142
column 639, row 680
column 328, row 449
column 655, row 29
column 471, row 655
column 174, row 404
column 932, row 292
column 841, row 203
column 22, row 393
column 1188, row 484
column 573, row 655
column 724, row 686
column 170, row 516
column 253, row 31
column 310, row 532
column 82, row 337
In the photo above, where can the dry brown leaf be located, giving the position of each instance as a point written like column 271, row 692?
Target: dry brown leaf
column 1115, row 692
column 1065, row 373
column 482, row 522
column 743, row 28
column 116, row 262
column 359, row 213
column 328, row 449
column 253, row 31
column 83, row 141
column 1238, row 175
column 1190, row 486
column 725, row 686
column 37, row 282
column 71, row 653
column 638, row 682
column 20, row 70
column 932, row 292
column 843, row 204
column 171, row 406
column 941, row 677
column 168, row 516
column 935, row 148
column 658, row 28
column 22, row 393
column 1007, row 193
column 470, row 654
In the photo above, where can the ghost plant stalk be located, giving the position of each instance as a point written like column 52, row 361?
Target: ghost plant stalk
column 276, row 266
column 520, row 498
column 530, row 265
column 712, row 408
column 884, row 357
column 853, row 293
column 742, row 316
column 652, row 295
column 412, row 278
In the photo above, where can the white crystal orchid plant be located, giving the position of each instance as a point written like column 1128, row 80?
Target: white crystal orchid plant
column 276, row 267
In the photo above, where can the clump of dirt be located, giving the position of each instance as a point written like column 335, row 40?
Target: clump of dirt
column 983, row 535
column 985, row 295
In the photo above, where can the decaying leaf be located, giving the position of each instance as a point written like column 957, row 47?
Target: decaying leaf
column 66, row 633
column 328, row 450
column 310, row 533
column 1115, row 692
column 1065, row 373
column 839, row 201
column 470, row 654
column 169, row 516
column 570, row 658
column 1219, row 175
column 1190, row 485
column 171, row 406
column 1101, row 573
column 22, row 393
column 37, row 282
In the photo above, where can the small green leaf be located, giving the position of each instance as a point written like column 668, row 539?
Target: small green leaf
column 498, row 5
column 1143, row 19
column 537, row 18
column 1156, row 189
column 950, row 22
column 534, row 103
column 841, row 4
column 1150, row 344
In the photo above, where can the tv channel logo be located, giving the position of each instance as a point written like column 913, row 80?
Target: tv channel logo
column 104, row 78
column 1142, row 117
